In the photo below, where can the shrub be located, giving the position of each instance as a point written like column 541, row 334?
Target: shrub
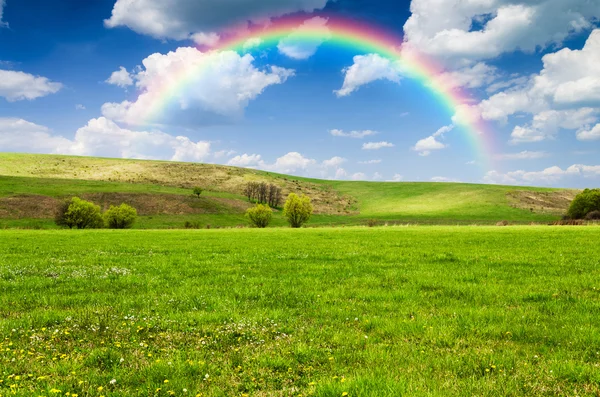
column 121, row 217
column 260, row 216
column 593, row 216
column 373, row 223
column 192, row 225
column 502, row 223
column 297, row 210
column 585, row 202
column 198, row 191
column 80, row 214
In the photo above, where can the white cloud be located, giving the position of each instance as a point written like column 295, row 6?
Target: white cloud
column 564, row 95
column 16, row 86
column 206, row 39
column 18, row 135
column 246, row 160
column 221, row 83
column 524, row 155
column 547, row 176
column 352, row 134
column 296, row 46
column 79, row 107
column 334, row 162
column 376, row 145
column 475, row 76
column 369, row 162
column 291, row 162
column 2, row 4
column 359, row 176
column 100, row 137
column 120, row 78
column 180, row 19
column 465, row 31
column 223, row 153
column 444, row 179
column 340, row 173
column 397, row 178
column 367, row 69
column 426, row 145
column 589, row 134
column 377, row 176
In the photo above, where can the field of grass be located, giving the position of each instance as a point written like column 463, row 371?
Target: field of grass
column 415, row 311
column 31, row 185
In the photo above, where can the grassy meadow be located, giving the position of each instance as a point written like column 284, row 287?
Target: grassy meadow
column 415, row 311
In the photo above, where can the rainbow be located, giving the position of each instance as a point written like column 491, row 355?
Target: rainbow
column 355, row 36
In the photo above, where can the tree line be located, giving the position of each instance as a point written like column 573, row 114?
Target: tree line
column 263, row 193
column 80, row 214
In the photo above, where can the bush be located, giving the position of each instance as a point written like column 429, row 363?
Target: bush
column 585, row 202
column 192, row 225
column 121, row 217
column 198, row 191
column 80, row 214
column 260, row 216
column 297, row 210
column 372, row 222
column 593, row 216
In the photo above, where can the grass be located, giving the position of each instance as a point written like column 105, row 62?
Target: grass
column 337, row 202
column 415, row 311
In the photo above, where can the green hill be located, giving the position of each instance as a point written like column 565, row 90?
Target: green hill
column 31, row 186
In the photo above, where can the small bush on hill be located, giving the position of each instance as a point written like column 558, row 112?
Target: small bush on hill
column 593, row 216
column 585, row 202
column 198, row 191
column 121, row 217
column 192, row 225
column 79, row 214
column 260, row 216
column 297, row 210
column 372, row 222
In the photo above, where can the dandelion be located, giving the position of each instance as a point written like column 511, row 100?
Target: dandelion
column 344, row 394
column 100, row 388
column 166, row 381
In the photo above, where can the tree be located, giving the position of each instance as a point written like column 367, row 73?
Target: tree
column 584, row 203
column 260, row 216
column 121, row 217
column 297, row 210
column 198, row 191
column 80, row 214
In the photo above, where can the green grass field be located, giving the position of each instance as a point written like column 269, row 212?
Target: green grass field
column 32, row 185
column 415, row 311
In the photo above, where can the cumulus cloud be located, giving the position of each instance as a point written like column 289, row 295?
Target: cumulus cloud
column 524, row 155
column 589, row 134
column 475, row 76
column 206, row 39
column 367, row 69
column 352, row 134
column 547, row 176
column 296, row 46
column 369, row 162
column 180, row 19
column 359, row 176
column 444, row 179
column 120, row 78
column 396, row 178
column 564, row 95
column 100, row 137
column 376, row 145
column 16, row 86
column 79, row 107
column 252, row 42
column 426, row 145
column 221, row 83
column 467, row 31
column 246, row 160
column 334, row 162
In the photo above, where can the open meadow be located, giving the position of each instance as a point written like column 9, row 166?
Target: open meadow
column 431, row 311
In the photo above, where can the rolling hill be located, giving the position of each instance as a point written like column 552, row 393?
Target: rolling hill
column 31, row 186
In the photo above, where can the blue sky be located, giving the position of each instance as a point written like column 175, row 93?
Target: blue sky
column 76, row 76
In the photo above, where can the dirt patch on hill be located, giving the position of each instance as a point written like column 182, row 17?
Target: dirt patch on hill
column 28, row 206
column 555, row 202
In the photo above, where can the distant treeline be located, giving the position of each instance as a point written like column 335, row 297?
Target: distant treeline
column 264, row 193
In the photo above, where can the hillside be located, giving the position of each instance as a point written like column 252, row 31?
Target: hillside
column 31, row 186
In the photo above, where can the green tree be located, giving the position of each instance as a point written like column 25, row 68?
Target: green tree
column 297, row 210
column 585, row 202
column 198, row 191
column 80, row 214
column 121, row 217
column 260, row 216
